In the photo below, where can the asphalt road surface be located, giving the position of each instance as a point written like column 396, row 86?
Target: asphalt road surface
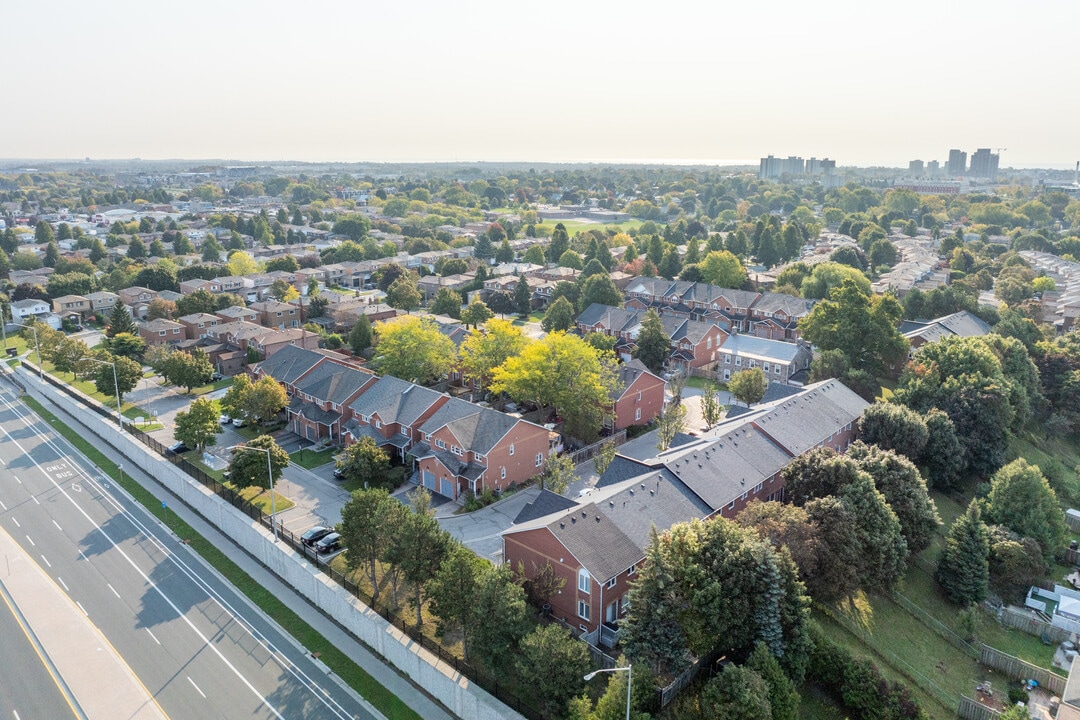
column 29, row 687
column 194, row 644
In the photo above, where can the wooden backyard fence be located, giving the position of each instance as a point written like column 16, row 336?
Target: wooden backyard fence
column 1032, row 626
column 974, row 710
column 1018, row 669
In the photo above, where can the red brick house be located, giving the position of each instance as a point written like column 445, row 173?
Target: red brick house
column 776, row 316
column 320, row 403
column 638, row 398
column 693, row 342
column 468, row 449
column 161, row 332
column 391, row 412
column 598, row 545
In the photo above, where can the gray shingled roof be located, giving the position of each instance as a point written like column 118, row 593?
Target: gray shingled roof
column 477, row 428
column 720, row 470
column 334, row 382
column 807, row 419
column 395, row 401
column 626, row 374
column 544, row 504
column 289, row 363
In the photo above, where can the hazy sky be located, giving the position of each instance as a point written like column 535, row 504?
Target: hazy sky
column 864, row 82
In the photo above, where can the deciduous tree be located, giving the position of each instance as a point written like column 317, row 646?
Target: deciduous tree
column 1022, row 500
column 670, row 424
column 447, row 302
column 249, row 467
column 485, row 349
column 748, row 386
column 862, row 327
column 413, row 349
column 365, row 463
column 551, row 663
column 453, row 592
column 198, row 426
column 559, row 316
column 722, row 268
column 891, row 426
column 366, row 530
column 404, row 294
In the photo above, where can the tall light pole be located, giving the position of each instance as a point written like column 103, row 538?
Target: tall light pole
column 270, row 475
column 116, row 388
column 629, row 677
column 41, row 372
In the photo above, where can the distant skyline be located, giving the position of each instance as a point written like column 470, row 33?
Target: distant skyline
column 866, row 84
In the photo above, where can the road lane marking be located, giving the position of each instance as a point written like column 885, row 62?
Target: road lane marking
column 113, row 590
column 83, row 556
column 202, row 636
column 30, row 541
column 58, row 526
column 17, row 479
column 61, row 581
column 46, row 561
column 34, row 498
column 3, row 505
column 153, row 636
column 82, row 608
column 32, row 423
column 16, row 523
column 196, row 687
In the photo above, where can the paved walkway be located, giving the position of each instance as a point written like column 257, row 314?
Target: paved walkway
column 386, row 676
column 479, row 531
column 103, row 685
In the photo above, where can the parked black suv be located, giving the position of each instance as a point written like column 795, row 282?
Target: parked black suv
column 314, row 535
column 328, row 544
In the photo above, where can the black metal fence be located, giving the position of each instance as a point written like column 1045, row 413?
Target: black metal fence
column 484, row 679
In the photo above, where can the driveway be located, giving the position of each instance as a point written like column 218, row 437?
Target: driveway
column 479, row 531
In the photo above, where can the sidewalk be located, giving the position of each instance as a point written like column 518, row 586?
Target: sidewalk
column 403, row 688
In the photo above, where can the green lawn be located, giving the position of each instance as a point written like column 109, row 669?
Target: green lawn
column 216, row 385
column 355, row 676
column 310, row 459
column 129, row 409
column 575, row 226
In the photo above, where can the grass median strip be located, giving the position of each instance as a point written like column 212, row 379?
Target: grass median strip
column 386, row 702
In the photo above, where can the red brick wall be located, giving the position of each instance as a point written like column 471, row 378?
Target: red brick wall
column 528, row 440
column 652, row 402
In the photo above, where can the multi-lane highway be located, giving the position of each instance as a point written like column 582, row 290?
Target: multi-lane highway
column 197, row 649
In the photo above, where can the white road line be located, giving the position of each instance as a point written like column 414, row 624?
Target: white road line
column 3, row 505
column 113, row 590
column 34, row 498
column 46, row 561
column 196, row 687
column 153, row 636
column 61, row 581
column 32, row 424
column 187, row 621
column 58, row 526
column 83, row 556
column 17, row 479
column 82, row 608
column 16, row 714
column 30, row 541
column 16, row 523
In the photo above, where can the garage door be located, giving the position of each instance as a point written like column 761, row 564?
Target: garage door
column 447, row 487
column 429, row 480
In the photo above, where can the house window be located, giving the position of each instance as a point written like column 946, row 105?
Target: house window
column 610, row 583
column 708, row 344
column 758, row 487
column 631, row 570
column 639, row 396
column 584, row 583
column 456, row 450
column 539, row 459
column 378, row 424
column 583, row 609
column 511, row 448
column 624, row 601
column 765, row 367
column 502, row 473
column 727, row 359
column 776, row 369
column 161, row 333
column 738, row 361
column 637, row 414
column 480, row 458
column 439, row 444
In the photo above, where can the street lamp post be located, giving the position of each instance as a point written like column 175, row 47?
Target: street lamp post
column 270, row 475
column 116, row 388
column 629, row 677
column 37, row 348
